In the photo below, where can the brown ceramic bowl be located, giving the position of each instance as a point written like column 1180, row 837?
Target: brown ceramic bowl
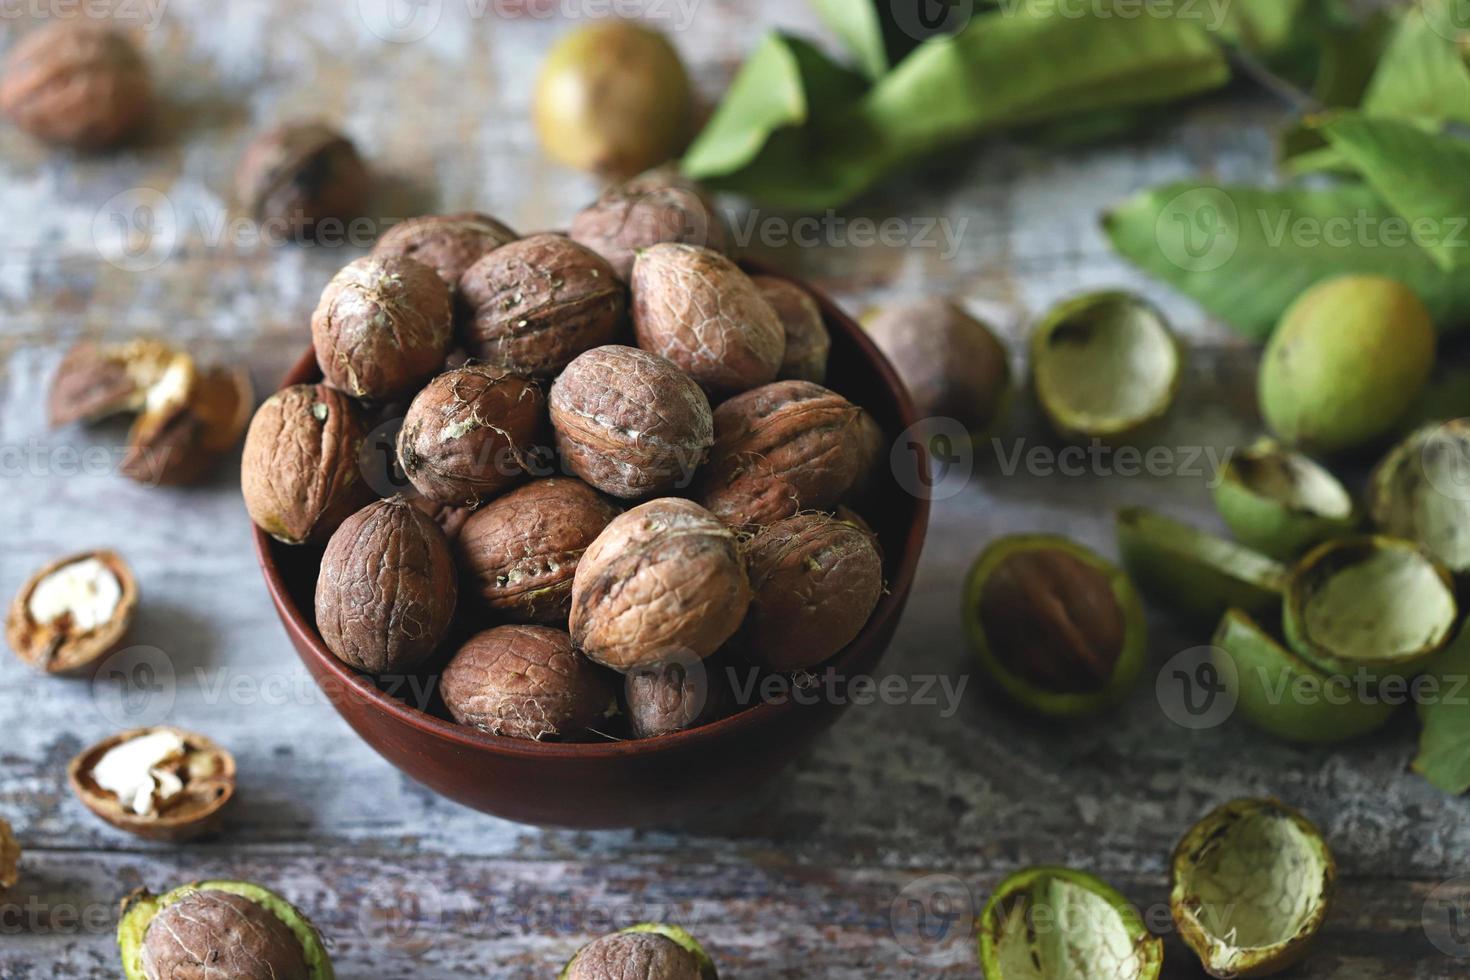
column 629, row 783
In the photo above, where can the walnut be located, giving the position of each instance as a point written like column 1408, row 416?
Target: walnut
column 220, row 934
column 301, row 175
column 807, row 340
column 640, row 955
column 658, row 206
column 73, row 612
column 451, row 518
column 162, row 784
column 698, row 309
column 382, row 327
column 518, row 553
column 629, row 422
column 537, row 303
column 470, row 434
column 816, row 582
column 76, row 84
column 673, row 697
column 780, row 449
column 386, row 591
column 662, row 583
column 300, row 472
column 447, row 243
column 526, row 682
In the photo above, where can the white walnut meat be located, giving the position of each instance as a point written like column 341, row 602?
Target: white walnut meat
column 73, row 612
column 76, row 84
column 807, row 341
column 663, row 582
column 212, row 933
column 517, row 554
column 9, row 858
column 698, row 309
column 162, row 784
column 780, row 449
column 301, row 175
column 386, row 591
column 95, row 381
column 537, row 303
column 471, row 433
column 300, row 473
column 657, row 206
column 447, row 243
column 630, row 423
column 526, row 682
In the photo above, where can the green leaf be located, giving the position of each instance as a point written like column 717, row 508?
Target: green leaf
column 1425, row 177
column 1444, row 741
column 857, row 23
column 1245, row 253
column 1422, row 74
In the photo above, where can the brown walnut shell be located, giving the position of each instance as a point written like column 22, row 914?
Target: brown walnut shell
column 640, row 955
column 451, row 518
column 698, row 309
column 216, row 933
column 518, row 553
column 675, row 697
column 300, row 175
column 629, row 422
column 207, row 772
column 58, row 647
column 657, row 206
column 664, row 582
column 9, row 858
column 76, row 84
column 447, row 243
column 383, row 327
column 94, row 381
column 816, row 582
column 807, row 341
column 537, row 303
column 526, row 682
column 780, row 449
column 470, row 434
column 386, row 592
column 301, row 472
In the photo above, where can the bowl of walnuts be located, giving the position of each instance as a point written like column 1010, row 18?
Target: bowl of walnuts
column 639, row 528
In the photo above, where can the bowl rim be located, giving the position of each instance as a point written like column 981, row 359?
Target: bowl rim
column 890, row 604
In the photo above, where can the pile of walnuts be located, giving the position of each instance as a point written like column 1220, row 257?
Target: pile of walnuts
column 625, row 478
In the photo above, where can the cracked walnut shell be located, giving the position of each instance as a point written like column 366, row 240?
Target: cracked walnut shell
column 161, row 784
column 73, row 612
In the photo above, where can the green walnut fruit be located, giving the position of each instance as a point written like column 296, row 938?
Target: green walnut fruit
column 1055, row 923
column 1421, row 491
column 1058, row 628
column 1252, row 883
column 1281, row 503
column 1104, row 366
column 1195, row 574
column 219, row 928
column 1375, row 604
column 1283, row 695
column 1347, row 363
column 652, row 951
column 613, row 98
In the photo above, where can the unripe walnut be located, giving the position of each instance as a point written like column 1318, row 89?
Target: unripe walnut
column 470, row 434
column 816, row 582
column 539, row 302
column 698, row 309
column 300, row 472
column 640, row 955
column 662, row 583
column 526, row 682
column 780, row 449
column 447, row 243
column 807, row 341
column 517, row 554
column 221, row 934
column 629, row 422
column 658, row 206
column 300, row 175
column 382, row 327
column 386, row 591
column 76, row 84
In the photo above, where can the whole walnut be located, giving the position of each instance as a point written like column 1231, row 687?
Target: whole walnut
column 517, row 554
column 76, row 84
column 807, row 340
column 630, row 955
column 629, row 422
column 535, row 304
column 658, row 206
column 301, row 175
column 220, row 934
column 816, row 582
column 301, row 472
column 674, row 697
column 447, row 243
column 386, row 591
column 526, row 682
column 783, row 448
column 383, row 327
column 698, row 309
column 664, row 582
column 470, row 434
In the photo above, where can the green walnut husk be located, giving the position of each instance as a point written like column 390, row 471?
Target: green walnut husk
column 1055, row 923
column 1281, row 503
column 1062, row 631
column 675, row 934
column 1420, row 492
column 1104, row 366
column 1195, row 574
column 1252, row 883
column 140, row 907
column 1375, row 604
column 1285, row 696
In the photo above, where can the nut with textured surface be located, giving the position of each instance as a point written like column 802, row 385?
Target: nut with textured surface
column 73, row 612
column 674, row 697
column 162, row 784
column 76, row 84
column 447, row 243
column 652, row 951
column 658, row 206
column 807, row 340
column 300, row 174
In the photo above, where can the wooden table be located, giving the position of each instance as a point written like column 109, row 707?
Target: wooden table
column 802, row 881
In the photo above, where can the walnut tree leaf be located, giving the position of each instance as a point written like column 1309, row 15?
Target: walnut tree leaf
column 1444, row 742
